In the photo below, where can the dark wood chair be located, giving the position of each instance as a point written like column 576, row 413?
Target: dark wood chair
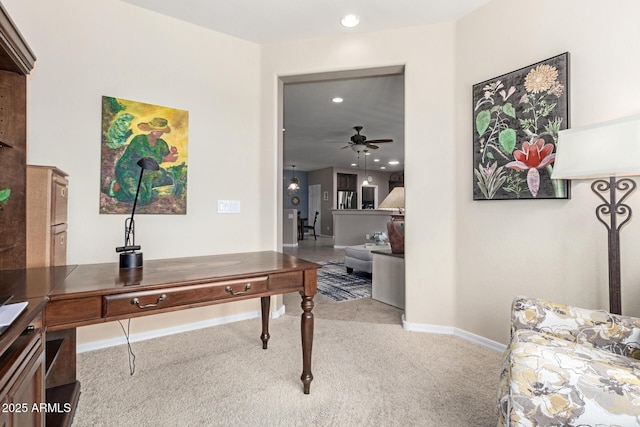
column 301, row 226
column 312, row 227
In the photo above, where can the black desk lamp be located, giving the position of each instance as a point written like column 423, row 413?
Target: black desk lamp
column 129, row 258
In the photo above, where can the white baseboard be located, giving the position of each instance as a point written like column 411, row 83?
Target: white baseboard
column 290, row 245
column 278, row 313
column 156, row 333
column 142, row 336
column 450, row 330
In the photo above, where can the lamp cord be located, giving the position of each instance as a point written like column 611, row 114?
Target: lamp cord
column 132, row 356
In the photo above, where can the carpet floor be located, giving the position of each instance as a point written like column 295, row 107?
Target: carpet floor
column 366, row 374
column 334, row 282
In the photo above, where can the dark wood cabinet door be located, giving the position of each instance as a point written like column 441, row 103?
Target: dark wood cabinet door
column 29, row 393
column 13, row 132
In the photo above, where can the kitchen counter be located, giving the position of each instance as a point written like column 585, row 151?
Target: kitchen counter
column 352, row 226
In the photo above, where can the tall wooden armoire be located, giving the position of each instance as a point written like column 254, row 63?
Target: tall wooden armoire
column 16, row 61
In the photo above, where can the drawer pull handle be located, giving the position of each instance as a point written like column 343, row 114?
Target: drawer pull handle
column 136, row 301
column 230, row 290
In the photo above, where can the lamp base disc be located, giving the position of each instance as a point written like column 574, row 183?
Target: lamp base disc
column 131, row 260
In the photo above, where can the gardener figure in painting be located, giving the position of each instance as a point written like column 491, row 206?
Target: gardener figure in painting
column 128, row 172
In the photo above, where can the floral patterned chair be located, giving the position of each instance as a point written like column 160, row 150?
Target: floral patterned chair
column 569, row 366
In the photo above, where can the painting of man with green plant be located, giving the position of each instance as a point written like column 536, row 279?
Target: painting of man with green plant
column 133, row 130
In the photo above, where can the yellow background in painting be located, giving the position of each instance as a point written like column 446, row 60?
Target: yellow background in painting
column 178, row 122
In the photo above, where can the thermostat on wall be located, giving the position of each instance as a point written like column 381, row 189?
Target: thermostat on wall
column 228, row 206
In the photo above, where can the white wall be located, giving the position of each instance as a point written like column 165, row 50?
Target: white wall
column 465, row 260
column 544, row 248
column 428, row 56
column 87, row 49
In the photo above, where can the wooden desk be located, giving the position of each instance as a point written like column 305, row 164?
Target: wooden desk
column 90, row 294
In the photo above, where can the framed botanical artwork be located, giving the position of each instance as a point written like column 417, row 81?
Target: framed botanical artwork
column 516, row 120
column 132, row 130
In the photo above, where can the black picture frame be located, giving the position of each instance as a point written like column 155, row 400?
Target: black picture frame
column 516, row 120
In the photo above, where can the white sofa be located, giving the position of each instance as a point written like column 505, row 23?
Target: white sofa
column 359, row 257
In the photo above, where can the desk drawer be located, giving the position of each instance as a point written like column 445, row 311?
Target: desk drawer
column 132, row 303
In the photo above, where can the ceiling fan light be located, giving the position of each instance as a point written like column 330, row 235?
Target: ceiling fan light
column 337, row 100
column 350, row 20
column 358, row 147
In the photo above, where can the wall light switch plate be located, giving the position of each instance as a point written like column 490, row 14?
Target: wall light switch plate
column 228, row 206
column 290, row 216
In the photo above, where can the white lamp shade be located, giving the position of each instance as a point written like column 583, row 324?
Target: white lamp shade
column 600, row 150
column 395, row 199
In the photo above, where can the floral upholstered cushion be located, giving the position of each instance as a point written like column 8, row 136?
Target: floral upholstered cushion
column 611, row 332
column 551, row 381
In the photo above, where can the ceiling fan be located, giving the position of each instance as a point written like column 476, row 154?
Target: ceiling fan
column 359, row 142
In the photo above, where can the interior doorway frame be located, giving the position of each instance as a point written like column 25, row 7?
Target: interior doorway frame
column 308, row 78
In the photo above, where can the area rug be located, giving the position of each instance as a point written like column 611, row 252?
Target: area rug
column 334, row 282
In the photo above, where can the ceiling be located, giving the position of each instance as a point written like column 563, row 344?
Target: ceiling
column 316, row 129
column 271, row 21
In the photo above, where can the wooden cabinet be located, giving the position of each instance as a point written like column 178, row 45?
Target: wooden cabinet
column 347, row 182
column 16, row 61
column 22, row 372
column 47, row 191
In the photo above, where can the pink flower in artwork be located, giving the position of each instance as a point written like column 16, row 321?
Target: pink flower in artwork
column 533, row 156
column 505, row 94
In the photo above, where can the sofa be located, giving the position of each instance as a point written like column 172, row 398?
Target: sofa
column 569, row 366
column 359, row 257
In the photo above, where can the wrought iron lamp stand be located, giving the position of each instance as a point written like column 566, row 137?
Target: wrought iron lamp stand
column 617, row 192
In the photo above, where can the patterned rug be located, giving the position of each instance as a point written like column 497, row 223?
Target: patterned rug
column 334, row 282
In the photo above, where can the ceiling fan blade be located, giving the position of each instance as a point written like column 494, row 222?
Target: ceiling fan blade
column 346, row 146
column 375, row 147
column 380, row 141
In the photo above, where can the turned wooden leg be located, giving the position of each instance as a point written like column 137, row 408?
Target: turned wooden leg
column 306, row 327
column 265, row 303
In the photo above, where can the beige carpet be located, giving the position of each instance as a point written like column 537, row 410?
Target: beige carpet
column 366, row 374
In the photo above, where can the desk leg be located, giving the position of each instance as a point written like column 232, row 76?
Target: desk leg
column 265, row 303
column 307, row 340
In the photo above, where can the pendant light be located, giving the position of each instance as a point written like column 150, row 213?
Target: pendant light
column 366, row 177
column 294, row 184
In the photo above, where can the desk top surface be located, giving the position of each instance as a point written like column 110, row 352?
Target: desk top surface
column 57, row 282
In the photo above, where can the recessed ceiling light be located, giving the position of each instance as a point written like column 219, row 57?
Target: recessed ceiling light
column 376, row 160
column 337, row 100
column 353, row 164
column 383, row 167
column 350, row 20
column 366, row 153
column 394, row 162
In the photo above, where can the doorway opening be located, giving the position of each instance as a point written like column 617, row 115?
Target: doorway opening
column 318, row 136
